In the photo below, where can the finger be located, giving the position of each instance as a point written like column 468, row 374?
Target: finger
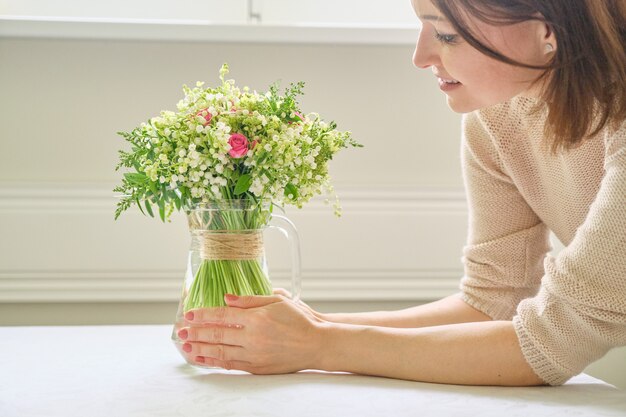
column 213, row 334
column 282, row 291
column 252, row 301
column 223, row 316
column 224, row 353
column 237, row 365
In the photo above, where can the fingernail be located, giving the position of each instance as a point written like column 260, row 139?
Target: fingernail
column 231, row 297
column 182, row 333
column 187, row 347
column 189, row 315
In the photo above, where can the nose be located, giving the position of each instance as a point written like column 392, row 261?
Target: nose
column 426, row 53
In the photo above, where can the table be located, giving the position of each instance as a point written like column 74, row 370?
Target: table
column 118, row 371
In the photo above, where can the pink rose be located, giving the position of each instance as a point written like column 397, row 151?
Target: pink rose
column 238, row 145
column 206, row 116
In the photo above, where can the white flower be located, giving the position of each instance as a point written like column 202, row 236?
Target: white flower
column 199, row 129
column 162, row 179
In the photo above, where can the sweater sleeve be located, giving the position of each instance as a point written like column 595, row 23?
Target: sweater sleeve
column 507, row 242
column 579, row 313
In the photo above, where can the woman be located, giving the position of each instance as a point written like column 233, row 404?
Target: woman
column 543, row 86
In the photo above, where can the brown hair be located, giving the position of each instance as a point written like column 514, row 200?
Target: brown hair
column 586, row 87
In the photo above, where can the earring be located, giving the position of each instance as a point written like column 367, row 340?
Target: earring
column 549, row 48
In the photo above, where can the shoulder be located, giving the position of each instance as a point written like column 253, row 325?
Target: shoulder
column 505, row 126
column 517, row 115
column 615, row 144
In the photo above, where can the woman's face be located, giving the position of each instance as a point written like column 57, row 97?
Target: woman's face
column 470, row 79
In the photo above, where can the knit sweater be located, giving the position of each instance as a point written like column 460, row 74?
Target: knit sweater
column 570, row 310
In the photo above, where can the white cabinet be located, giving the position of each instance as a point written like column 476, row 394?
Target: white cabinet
column 282, row 21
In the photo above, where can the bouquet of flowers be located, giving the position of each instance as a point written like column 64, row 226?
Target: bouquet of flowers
column 229, row 144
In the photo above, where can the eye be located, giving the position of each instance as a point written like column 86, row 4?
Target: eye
column 446, row 38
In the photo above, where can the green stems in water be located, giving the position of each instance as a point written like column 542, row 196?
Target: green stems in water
column 215, row 278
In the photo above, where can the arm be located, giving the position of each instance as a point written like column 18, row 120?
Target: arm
column 579, row 313
column 273, row 335
column 485, row 353
column 449, row 310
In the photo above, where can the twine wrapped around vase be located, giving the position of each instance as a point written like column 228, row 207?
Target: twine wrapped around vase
column 230, row 246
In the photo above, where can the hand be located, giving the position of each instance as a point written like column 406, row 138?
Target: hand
column 258, row 334
column 303, row 306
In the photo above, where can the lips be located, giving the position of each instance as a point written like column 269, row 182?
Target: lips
column 444, row 79
column 448, row 80
column 448, row 85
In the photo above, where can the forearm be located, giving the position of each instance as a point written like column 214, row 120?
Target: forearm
column 486, row 353
column 448, row 310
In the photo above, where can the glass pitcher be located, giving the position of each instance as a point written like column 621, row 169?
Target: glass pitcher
column 227, row 256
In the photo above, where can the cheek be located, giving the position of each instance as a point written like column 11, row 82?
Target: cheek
column 487, row 81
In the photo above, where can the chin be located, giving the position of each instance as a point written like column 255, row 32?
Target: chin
column 458, row 106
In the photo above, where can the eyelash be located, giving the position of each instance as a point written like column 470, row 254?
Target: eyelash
column 447, row 39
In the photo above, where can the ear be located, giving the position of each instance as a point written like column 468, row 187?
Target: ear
column 546, row 39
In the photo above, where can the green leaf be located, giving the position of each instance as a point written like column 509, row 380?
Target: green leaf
column 162, row 209
column 291, row 189
column 263, row 157
column 149, row 208
column 139, row 205
column 135, row 178
column 243, row 184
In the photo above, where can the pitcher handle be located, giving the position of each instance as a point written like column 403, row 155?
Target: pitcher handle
column 288, row 229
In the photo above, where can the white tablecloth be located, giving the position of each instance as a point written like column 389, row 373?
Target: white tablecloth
column 116, row 371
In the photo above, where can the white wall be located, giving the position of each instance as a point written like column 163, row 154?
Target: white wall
column 65, row 100
column 64, row 260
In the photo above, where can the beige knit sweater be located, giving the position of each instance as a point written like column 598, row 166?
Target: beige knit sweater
column 569, row 310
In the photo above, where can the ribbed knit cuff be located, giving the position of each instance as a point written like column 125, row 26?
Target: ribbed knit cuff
column 539, row 363
column 493, row 310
